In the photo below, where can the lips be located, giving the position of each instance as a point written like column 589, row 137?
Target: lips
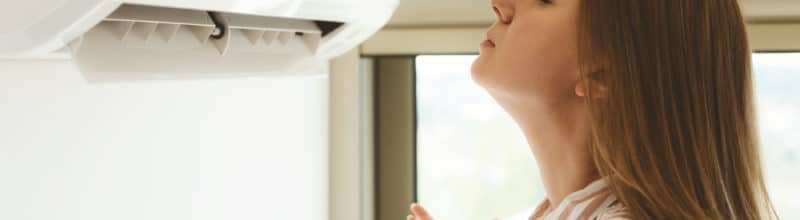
column 488, row 43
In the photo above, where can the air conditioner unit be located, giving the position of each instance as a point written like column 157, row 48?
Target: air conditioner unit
column 155, row 39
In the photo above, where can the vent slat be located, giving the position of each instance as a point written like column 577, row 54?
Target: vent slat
column 202, row 33
column 239, row 21
column 232, row 33
column 144, row 30
column 160, row 15
column 270, row 36
column 123, row 28
column 168, row 31
column 253, row 35
column 284, row 37
column 312, row 41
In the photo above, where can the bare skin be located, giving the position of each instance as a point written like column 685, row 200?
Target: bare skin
column 530, row 67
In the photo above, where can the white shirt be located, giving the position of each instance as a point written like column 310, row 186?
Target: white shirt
column 593, row 202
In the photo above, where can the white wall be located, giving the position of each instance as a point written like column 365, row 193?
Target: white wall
column 251, row 148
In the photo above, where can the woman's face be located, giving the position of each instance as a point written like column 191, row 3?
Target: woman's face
column 533, row 50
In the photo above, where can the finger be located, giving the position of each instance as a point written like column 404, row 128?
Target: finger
column 420, row 212
column 410, row 217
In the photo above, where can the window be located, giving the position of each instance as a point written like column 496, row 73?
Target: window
column 473, row 161
column 776, row 77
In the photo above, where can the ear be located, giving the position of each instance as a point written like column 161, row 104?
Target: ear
column 598, row 90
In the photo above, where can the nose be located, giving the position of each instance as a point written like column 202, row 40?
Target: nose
column 496, row 11
column 503, row 13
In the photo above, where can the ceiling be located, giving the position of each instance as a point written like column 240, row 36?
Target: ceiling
column 416, row 13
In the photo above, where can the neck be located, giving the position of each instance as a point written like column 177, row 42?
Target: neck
column 558, row 135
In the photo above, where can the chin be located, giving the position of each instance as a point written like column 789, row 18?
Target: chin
column 480, row 69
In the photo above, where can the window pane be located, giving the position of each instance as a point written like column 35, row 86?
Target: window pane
column 472, row 160
column 777, row 76
column 474, row 163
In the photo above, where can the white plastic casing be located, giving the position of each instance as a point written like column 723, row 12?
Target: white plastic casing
column 109, row 44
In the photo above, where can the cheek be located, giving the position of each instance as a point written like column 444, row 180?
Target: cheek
column 535, row 58
column 540, row 50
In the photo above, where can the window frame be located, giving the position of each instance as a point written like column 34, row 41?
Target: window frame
column 763, row 36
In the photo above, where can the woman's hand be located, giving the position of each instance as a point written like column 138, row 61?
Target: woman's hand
column 419, row 213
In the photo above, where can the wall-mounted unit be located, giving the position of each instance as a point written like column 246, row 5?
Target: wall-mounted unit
column 156, row 39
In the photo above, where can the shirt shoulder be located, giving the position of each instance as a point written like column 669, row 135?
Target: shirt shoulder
column 615, row 211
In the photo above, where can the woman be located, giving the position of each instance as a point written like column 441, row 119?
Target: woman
column 632, row 109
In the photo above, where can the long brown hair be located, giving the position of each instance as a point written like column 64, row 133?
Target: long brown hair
column 675, row 135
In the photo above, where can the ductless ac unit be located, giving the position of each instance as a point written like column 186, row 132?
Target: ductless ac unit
column 156, row 39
